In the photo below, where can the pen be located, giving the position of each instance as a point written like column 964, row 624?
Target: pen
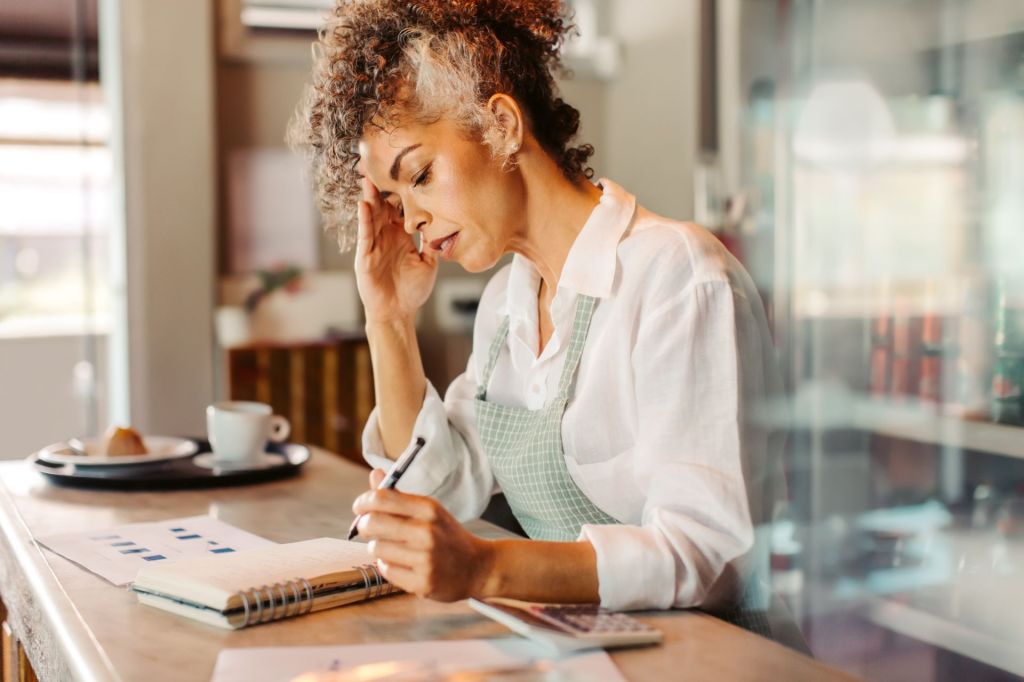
column 391, row 480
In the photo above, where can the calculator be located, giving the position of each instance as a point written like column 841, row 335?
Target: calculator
column 568, row 627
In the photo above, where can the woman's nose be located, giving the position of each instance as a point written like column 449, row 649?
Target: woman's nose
column 414, row 223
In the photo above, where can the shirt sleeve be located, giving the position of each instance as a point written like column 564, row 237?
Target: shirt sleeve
column 697, row 360
column 451, row 466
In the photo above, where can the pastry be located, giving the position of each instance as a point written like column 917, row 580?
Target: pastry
column 119, row 442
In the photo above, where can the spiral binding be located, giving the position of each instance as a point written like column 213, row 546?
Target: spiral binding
column 376, row 586
column 295, row 597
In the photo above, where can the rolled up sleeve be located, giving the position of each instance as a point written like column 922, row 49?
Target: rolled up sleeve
column 451, row 466
column 696, row 361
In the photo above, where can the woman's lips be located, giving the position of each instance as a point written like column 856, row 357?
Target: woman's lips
column 445, row 244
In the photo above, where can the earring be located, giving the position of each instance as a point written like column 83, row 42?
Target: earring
column 511, row 161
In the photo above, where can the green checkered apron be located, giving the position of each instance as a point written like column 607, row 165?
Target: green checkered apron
column 524, row 448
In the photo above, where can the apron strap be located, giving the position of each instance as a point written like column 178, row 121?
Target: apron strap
column 581, row 325
column 492, row 359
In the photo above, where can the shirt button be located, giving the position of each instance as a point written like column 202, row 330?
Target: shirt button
column 536, row 388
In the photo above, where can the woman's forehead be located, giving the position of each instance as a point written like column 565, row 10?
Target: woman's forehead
column 379, row 145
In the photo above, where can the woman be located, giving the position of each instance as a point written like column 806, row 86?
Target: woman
column 613, row 359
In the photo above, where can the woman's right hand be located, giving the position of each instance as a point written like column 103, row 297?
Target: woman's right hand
column 394, row 279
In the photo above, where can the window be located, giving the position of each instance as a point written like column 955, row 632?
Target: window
column 55, row 198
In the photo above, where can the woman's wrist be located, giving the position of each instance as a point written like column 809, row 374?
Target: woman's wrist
column 399, row 323
column 489, row 570
column 536, row 571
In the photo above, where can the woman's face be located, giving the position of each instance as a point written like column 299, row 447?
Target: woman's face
column 449, row 188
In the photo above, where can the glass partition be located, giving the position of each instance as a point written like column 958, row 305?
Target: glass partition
column 882, row 166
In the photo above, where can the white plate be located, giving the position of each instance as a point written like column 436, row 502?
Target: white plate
column 160, row 448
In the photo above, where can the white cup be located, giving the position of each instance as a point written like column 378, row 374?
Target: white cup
column 239, row 430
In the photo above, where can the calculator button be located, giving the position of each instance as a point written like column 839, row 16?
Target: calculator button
column 588, row 618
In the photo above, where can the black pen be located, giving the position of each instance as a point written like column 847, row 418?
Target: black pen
column 391, row 480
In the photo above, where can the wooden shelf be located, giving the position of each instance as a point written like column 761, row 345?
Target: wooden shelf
column 830, row 409
column 922, row 423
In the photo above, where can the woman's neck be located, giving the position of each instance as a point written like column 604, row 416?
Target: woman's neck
column 556, row 210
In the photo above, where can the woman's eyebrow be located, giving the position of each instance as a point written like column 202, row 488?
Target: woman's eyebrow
column 397, row 163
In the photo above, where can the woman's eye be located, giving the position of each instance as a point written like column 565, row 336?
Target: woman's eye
column 422, row 178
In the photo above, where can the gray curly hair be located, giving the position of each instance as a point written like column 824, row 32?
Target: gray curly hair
column 376, row 59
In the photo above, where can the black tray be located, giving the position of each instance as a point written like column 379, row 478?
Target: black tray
column 172, row 474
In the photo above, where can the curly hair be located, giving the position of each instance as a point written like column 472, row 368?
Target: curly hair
column 433, row 58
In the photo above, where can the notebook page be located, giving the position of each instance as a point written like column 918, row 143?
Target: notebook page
column 213, row 580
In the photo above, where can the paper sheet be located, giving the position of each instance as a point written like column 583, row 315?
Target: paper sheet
column 117, row 554
column 278, row 664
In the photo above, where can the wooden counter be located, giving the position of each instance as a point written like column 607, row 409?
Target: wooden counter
column 74, row 625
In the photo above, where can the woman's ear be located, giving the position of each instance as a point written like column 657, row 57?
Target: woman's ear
column 506, row 136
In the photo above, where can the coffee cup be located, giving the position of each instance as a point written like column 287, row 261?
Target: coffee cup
column 239, row 430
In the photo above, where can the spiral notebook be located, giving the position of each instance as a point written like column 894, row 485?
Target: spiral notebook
column 265, row 584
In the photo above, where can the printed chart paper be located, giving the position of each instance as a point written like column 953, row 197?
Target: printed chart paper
column 117, row 554
column 278, row 664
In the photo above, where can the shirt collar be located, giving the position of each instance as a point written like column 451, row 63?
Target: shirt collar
column 590, row 267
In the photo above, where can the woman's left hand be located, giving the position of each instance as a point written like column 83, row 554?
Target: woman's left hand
column 420, row 547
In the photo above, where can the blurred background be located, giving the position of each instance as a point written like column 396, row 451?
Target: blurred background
column 159, row 249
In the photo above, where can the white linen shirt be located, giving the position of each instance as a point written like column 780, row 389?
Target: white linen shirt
column 654, row 433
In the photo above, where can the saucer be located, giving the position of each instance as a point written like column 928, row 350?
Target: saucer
column 265, row 460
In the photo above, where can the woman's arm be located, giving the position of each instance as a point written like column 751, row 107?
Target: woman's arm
column 398, row 379
column 394, row 281
column 421, row 548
